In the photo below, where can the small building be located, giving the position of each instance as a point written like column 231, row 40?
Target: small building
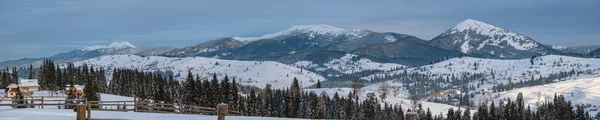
column 77, row 90
column 28, row 86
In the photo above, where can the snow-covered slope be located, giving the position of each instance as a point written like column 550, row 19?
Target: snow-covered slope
column 257, row 73
column 115, row 45
column 581, row 91
column 476, row 37
column 348, row 64
column 505, row 69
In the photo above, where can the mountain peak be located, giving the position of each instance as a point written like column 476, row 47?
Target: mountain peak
column 470, row 24
column 317, row 29
column 116, row 45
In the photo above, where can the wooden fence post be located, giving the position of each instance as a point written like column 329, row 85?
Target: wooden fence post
column 134, row 104
column 42, row 102
column 180, row 106
column 88, row 107
column 221, row 111
column 80, row 112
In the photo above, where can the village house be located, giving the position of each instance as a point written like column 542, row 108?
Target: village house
column 28, row 86
column 77, row 90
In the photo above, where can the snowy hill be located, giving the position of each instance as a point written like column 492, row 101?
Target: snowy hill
column 503, row 70
column 348, row 64
column 581, row 91
column 476, row 37
column 396, row 95
column 257, row 73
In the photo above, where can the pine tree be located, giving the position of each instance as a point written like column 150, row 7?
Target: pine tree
column 31, row 73
column 215, row 91
column 226, row 91
column 235, row 95
column 90, row 89
column 295, row 94
column 318, row 83
column 189, row 89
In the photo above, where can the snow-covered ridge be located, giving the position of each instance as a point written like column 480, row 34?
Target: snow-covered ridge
column 257, row 73
column 313, row 30
column 115, row 45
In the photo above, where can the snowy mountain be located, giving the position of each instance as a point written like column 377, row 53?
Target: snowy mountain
column 313, row 31
column 257, row 73
column 114, row 45
column 475, row 37
column 323, row 37
column 115, row 48
column 298, row 42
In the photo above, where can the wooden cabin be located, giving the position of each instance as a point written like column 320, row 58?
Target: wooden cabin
column 28, row 86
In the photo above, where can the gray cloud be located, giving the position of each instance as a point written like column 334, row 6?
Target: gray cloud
column 62, row 25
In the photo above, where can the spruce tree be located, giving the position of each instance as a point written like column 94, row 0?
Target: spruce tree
column 226, row 91
column 31, row 73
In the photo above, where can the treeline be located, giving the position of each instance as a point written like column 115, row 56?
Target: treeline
column 557, row 109
column 51, row 77
column 291, row 102
column 535, row 81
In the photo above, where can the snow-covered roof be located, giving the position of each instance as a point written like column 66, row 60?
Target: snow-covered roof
column 77, row 87
column 12, row 86
column 29, row 82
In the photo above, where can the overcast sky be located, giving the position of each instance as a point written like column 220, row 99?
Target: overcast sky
column 39, row 28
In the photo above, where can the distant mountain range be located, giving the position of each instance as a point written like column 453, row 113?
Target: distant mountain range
column 115, row 48
column 323, row 43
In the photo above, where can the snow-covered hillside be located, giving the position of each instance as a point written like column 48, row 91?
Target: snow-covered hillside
column 581, row 91
column 348, row 64
column 395, row 95
column 502, row 70
column 257, row 73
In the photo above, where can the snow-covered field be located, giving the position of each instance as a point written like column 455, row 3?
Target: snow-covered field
column 61, row 114
column 257, row 73
column 53, row 113
column 349, row 64
column 581, row 91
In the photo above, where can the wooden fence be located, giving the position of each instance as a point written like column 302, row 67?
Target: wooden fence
column 123, row 106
